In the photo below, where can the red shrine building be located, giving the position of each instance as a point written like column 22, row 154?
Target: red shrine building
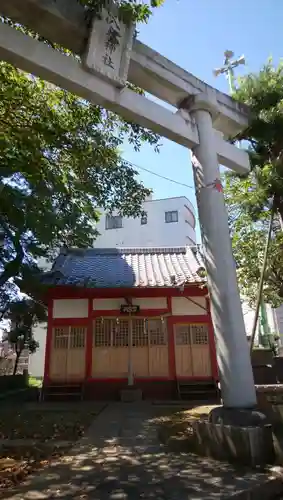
column 131, row 316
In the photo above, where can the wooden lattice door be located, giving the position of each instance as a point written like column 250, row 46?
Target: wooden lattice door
column 150, row 347
column 149, row 351
column 192, row 352
column 200, row 351
column 110, row 347
column 158, row 348
column 76, row 353
column 139, row 348
column 67, row 361
column 59, row 352
column 183, row 351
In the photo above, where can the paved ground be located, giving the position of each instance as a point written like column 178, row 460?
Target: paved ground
column 121, row 458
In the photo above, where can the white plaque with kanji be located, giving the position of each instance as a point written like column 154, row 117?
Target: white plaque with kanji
column 109, row 48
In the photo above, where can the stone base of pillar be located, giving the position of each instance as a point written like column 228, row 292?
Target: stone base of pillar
column 235, row 435
column 131, row 395
column 238, row 417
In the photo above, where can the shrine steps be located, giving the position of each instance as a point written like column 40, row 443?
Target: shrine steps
column 62, row 392
column 198, row 390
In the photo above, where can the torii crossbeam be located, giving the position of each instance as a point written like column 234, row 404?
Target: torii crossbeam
column 203, row 120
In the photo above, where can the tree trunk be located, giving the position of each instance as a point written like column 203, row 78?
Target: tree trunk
column 16, row 362
column 12, row 268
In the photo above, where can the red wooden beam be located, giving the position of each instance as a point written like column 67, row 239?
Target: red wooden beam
column 61, row 292
column 171, row 343
column 48, row 342
column 171, row 349
column 123, row 379
column 142, row 313
column 89, row 335
column 70, row 322
column 191, row 319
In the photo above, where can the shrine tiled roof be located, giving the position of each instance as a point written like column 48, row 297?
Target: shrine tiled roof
column 126, row 267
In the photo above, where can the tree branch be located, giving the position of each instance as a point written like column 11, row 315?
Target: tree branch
column 12, row 267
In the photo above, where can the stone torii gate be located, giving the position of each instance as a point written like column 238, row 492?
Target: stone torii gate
column 203, row 120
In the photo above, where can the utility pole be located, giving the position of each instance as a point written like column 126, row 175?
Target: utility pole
column 261, row 281
column 228, row 67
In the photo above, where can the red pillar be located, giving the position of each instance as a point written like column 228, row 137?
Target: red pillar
column 88, row 350
column 171, row 344
column 48, row 342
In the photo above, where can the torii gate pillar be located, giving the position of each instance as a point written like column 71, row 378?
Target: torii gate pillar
column 236, row 377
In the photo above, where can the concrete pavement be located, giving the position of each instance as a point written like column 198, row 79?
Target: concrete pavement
column 121, row 458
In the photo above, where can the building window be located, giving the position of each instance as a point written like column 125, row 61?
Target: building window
column 61, row 337
column 113, row 221
column 115, row 332
column 144, row 219
column 103, row 332
column 171, row 216
column 66, row 337
column 139, row 333
column 156, row 332
column 191, row 334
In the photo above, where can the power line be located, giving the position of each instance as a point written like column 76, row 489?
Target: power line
column 158, row 175
column 162, row 177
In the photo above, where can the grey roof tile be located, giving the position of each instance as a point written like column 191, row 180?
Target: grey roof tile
column 125, row 267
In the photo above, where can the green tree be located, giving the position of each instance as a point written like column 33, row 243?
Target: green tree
column 135, row 10
column 23, row 315
column 250, row 198
column 60, row 161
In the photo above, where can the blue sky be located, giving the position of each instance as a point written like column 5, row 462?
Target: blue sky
column 194, row 34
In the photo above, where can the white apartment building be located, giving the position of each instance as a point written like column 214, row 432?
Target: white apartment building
column 166, row 222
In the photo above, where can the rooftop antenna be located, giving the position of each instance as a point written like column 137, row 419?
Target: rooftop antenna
column 229, row 64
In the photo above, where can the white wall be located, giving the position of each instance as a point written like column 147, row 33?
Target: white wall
column 182, row 306
column 144, row 303
column 36, row 360
column 156, row 232
column 70, row 308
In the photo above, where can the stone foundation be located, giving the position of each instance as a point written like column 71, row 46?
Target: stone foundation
column 270, row 402
column 131, row 395
column 110, row 390
column 251, row 446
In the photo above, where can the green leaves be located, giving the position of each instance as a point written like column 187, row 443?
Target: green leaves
column 23, row 315
column 249, row 198
column 129, row 10
column 60, row 161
